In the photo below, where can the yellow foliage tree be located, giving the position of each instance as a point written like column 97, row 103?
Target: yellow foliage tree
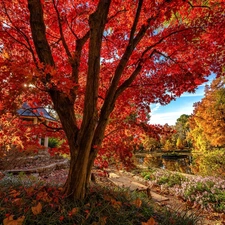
column 179, row 143
column 208, row 131
column 168, row 145
column 208, row 120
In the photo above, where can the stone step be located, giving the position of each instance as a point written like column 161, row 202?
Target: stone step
column 127, row 182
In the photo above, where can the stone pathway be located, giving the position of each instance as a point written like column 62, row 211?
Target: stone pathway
column 136, row 183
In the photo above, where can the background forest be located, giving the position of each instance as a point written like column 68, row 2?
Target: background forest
column 202, row 133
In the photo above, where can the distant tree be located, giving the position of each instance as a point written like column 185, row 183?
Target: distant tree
column 207, row 130
column 208, row 119
column 168, row 145
column 167, row 134
column 150, row 143
column 179, row 143
column 182, row 129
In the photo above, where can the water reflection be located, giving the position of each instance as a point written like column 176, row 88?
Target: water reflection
column 176, row 164
column 180, row 165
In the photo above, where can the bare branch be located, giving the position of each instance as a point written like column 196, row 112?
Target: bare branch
column 61, row 31
column 127, row 82
column 113, row 131
column 55, row 129
column 41, row 120
column 198, row 6
column 72, row 31
column 163, row 38
column 134, row 26
column 113, row 16
column 170, row 58
column 18, row 30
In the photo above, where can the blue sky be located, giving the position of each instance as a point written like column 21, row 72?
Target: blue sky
column 183, row 105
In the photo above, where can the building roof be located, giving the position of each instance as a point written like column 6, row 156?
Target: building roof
column 27, row 111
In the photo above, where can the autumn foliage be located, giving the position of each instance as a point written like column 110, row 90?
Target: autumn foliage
column 100, row 64
column 208, row 116
column 207, row 131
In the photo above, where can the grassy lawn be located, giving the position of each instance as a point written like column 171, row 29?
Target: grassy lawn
column 25, row 200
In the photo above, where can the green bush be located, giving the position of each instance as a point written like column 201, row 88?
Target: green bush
column 53, row 143
column 171, row 179
column 148, row 175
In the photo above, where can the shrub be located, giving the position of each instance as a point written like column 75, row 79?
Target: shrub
column 211, row 163
column 207, row 193
column 53, row 143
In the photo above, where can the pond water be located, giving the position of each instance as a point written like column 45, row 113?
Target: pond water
column 158, row 161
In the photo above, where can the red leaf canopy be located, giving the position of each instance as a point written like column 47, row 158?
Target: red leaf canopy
column 151, row 51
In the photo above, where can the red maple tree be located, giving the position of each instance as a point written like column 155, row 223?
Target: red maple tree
column 100, row 64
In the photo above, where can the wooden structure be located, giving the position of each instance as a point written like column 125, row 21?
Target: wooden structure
column 35, row 115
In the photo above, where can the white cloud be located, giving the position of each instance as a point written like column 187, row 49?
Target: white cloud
column 198, row 93
column 170, row 117
column 192, row 95
column 155, row 107
column 183, row 105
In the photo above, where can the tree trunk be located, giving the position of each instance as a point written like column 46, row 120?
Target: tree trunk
column 76, row 183
column 81, row 140
column 81, row 164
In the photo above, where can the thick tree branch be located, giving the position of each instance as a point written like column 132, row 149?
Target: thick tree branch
column 113, row 93
column 110, row 97
column 126, row 56
column 39, row 32
column 63, row 104
column 76, row 59
column 97, row 23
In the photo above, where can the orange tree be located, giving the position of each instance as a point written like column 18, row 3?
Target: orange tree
column 100, row 64
column 207, row 130
column 208, row 118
